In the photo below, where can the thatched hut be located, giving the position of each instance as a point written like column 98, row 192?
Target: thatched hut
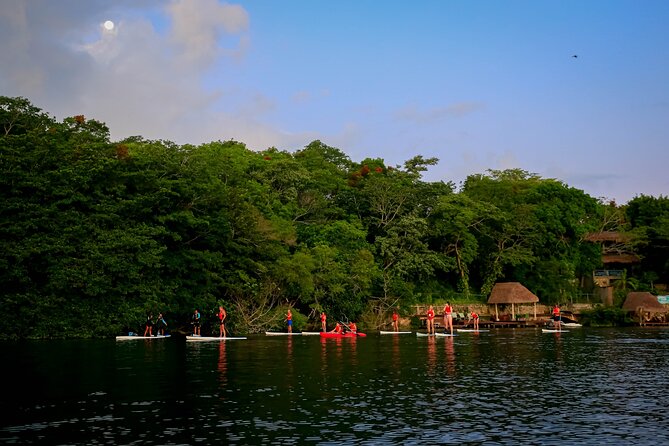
column 645, row 306
column 512, row 293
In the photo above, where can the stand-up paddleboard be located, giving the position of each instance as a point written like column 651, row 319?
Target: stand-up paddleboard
column 571, row 325
column 214, row 338
column 311, row 333
column 469, row 330
column 423, row 335
column 550, row 330
column 134, row 337
column 395, row 332
column 445, row 335
column 281, row 333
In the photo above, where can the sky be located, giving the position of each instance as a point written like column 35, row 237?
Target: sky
column 573, row 90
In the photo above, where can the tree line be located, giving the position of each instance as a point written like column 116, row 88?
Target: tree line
column 97, row 233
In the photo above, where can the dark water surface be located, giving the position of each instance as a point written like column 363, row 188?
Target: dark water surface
column 588, row 386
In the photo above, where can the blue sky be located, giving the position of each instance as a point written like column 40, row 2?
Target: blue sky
column 478, row 84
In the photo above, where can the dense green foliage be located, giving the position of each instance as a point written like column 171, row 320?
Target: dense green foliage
column 97, row 233
column 601, row 316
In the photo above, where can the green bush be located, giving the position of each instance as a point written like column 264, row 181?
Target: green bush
column 603, row 316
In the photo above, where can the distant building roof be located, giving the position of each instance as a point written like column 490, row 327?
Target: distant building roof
column 511, row 293
column 645, row 300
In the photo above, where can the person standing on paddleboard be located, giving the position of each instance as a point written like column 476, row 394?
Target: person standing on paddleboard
column 222, row 314
column 396, row 321
column 195, row 322
column 289, row 321
column 448, row 317
column 430, row 320
column 161, row 325
column 148, row 327
column 324, row 325
column 556, row 318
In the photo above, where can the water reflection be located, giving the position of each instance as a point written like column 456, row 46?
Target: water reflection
column 431, row 355
column 353, row 349
column 450, row 355
column 395, row 356
column 222, row 365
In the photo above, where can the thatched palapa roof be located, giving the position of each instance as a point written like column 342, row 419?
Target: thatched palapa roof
column 511, row 293
column 644, row 300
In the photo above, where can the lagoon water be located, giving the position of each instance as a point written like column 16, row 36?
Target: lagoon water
column 508, row 386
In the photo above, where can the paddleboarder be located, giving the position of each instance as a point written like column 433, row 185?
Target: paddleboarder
column 475, row 318
column 195, row 322
column 430, row 320
column 289, row 321
column 222, row 315
column 148, row 327
column 324, row 318
column 448, row 317
column 556, row 318
column 161, row 325
column 396, row 321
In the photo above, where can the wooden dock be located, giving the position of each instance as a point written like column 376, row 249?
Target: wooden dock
column 486, row 322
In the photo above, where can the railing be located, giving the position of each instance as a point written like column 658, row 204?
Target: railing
column 608, row 273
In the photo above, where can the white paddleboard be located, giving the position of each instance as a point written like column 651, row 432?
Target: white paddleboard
column 395, row 332
column 423, row 335
column 445, row 335
column 311, row 333
column 550, row 330
column 213, row 338
column 469, row 330
column 133, row 337
column 281, row 333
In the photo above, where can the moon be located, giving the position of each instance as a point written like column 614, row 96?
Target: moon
column 109, row 25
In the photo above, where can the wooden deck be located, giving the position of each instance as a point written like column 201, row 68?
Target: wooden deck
column 487, row 323
column 514, row 324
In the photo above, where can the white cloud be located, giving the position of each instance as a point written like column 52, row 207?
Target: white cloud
column 134, row 78
column 198, row 25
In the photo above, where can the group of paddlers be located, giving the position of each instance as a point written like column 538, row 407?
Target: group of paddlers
column 340, row 327
column 159, row 323
column 448, row 319
column 221, row 316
